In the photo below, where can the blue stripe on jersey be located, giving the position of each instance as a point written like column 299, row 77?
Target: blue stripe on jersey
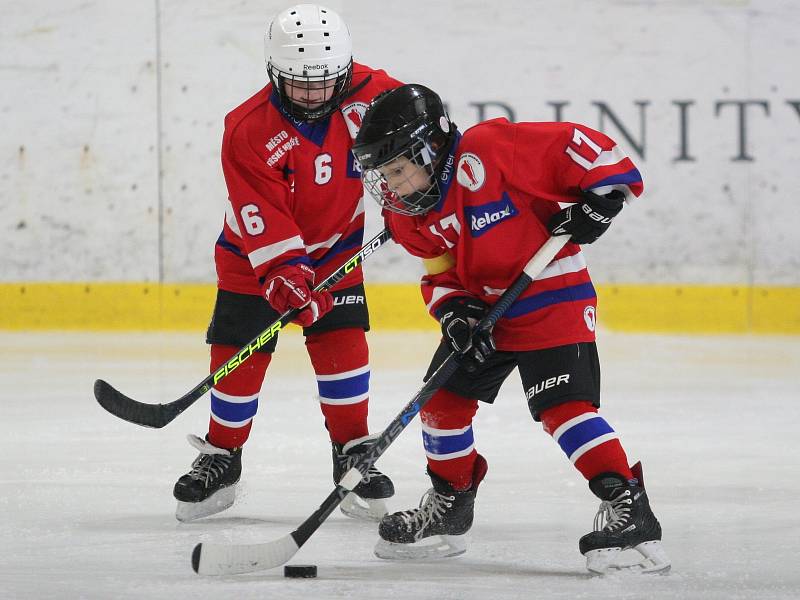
column 583, row 291
column 344, row 388
column 632, row 176
column 447, row 444
column 582, row 433
column 354, row 240
column 234, row 412
column 449, row 169
column 299, row 260
column 314, row 132
column 304, row 259
column 353, row 168
column 224, row 243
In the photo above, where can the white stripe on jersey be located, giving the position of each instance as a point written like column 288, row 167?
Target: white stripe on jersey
column 620, row 187
column 568, row 264
column 230, row 219
column 267, row 253
column 608, row 157
column 359, row 208
column 326, row 244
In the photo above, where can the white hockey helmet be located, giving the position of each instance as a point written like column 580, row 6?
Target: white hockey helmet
column 308, row 45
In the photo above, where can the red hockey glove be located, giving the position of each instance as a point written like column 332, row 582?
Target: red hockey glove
column 587, row 220
column 290, row 286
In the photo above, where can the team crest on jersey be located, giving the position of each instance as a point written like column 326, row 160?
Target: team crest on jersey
column 354, row 116
column 590, row 316
column 470, row 172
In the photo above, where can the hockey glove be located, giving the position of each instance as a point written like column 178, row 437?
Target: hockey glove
column 458, row 317
column 290, row 286
column 587, row 220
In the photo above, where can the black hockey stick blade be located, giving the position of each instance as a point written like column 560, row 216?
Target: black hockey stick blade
column 158, row 415
column 222, row 559
column 232, row 559
column 139, row 413
column 227, row 559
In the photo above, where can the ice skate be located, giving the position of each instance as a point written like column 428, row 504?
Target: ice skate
column 624, row 521
column 367, row 501
column 437, row 529
column 210, row 486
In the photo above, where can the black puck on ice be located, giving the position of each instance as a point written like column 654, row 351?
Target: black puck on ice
column 301, row 571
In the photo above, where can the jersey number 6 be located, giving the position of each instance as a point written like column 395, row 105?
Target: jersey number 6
column 323, row 169
column 253, row 222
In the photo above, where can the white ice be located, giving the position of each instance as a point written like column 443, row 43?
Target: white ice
column 86, row 500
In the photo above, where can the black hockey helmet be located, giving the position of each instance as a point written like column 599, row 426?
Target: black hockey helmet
column 408, row 121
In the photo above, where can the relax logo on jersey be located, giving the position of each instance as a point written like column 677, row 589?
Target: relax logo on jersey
column 354, row 116
column 483, row 217
column 470, row 172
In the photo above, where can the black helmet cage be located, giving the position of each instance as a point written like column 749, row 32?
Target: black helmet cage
column 422, row 142
column 304, row 113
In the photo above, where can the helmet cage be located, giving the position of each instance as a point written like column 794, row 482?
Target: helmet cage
column 297, row 110
column 417, row 202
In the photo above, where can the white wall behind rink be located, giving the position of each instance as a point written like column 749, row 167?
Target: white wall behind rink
column 705, row 97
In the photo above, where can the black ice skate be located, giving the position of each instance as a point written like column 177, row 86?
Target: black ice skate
column 210, row 486
column 367, row 500
column 624, row 521
column 437, row 528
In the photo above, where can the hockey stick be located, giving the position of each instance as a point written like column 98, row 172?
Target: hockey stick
column 224, row 559
column 158, row 415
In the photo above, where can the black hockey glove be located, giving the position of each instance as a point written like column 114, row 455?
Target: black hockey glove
column 587, row 220
column 458, row 317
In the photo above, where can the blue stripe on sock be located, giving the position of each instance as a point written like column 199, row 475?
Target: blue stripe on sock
column 578, row 435
column 233, row 411
column 446, row 444
column 344, row 388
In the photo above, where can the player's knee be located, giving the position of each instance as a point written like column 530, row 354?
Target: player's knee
column 555, row 416
column 448, row 408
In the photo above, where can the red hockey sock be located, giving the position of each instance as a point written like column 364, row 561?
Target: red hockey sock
column 447, row 437
column 341, row 362
column 234, row 400
column 586, row 438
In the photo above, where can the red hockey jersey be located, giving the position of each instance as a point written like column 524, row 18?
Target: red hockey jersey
column 500, row 185
column 294, row 189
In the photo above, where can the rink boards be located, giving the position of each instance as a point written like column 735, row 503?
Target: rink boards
column 187, row 307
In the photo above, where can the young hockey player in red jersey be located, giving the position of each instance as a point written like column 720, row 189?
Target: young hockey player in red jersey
column 476, row 207
column 295, row 213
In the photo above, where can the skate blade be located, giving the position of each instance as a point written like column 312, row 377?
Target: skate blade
column 219, row 501
column 363, row 509
column 653, row 560
column 438, row 546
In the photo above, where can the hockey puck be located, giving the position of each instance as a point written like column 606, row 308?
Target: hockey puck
column 300, row 571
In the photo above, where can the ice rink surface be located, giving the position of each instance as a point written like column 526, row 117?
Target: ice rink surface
column 87, row 508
